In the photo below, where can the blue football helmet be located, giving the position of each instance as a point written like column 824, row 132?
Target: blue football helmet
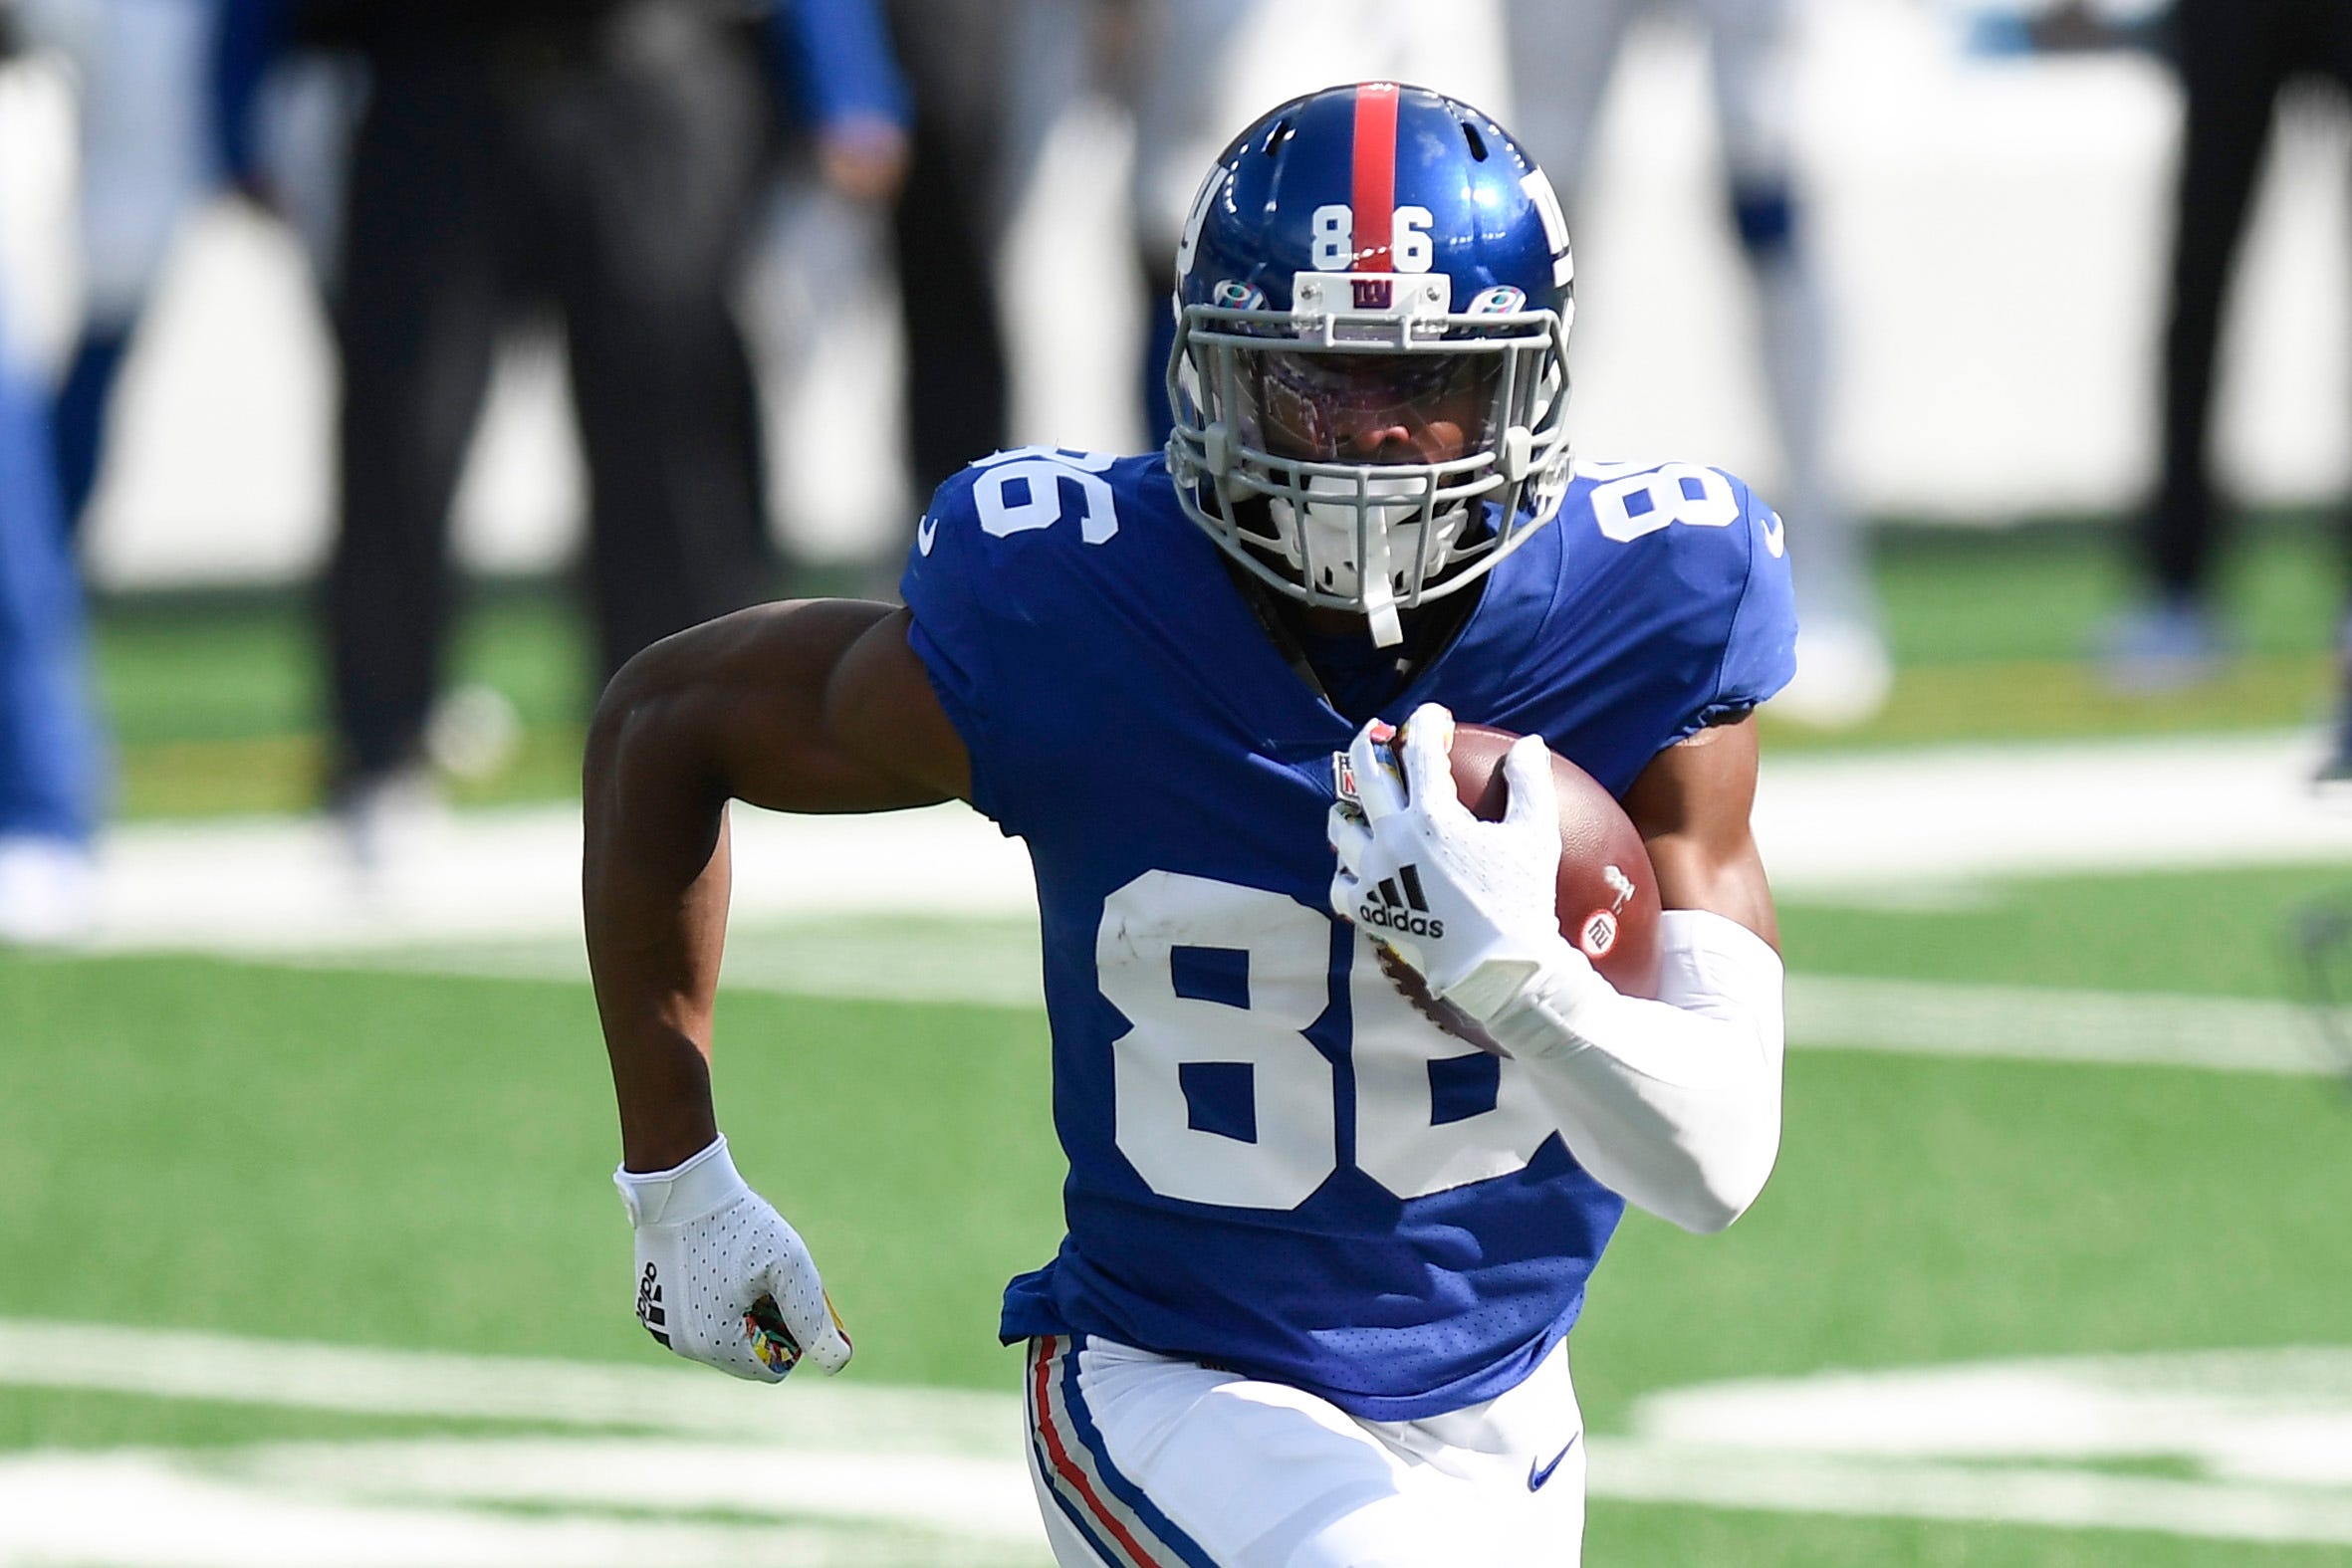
column 1370, row 373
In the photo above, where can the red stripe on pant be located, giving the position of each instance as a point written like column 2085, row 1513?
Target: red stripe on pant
column 1066, row 1468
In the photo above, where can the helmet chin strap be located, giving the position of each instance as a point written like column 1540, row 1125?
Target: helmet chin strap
column 1378, row 588
column 1321, row 539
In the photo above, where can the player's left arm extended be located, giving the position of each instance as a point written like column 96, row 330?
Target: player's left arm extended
column 820, row 706
column 814, row 706
column 1673, row 1103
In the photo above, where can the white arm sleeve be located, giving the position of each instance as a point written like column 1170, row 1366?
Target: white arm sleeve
column 1676, row 1103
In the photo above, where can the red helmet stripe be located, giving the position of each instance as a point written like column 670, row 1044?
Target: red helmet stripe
column 1375, row 174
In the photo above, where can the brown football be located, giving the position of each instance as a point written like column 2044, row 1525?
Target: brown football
column 1608, row 896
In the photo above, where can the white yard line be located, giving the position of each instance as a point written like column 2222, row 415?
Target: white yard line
column 1869, row 828
column 2046, row 1023
column 836, row 1473
column 977, row 1499
column 155, row 1508
column 277, row 886
column 2265, row 1435
column 1638, row 1470
column 1840, row 825
column 658, row 1395
column 996, row 964
column 495, row 893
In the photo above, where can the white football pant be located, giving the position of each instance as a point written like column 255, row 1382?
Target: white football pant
column 1148, row 1461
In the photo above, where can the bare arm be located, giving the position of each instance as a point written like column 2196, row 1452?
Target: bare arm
column 1691, row 805
column 813, row 706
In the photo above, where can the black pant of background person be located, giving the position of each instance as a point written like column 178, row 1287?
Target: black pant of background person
column 956, row 399
column 2234, row 58
column 945, row 229
column 604, row 169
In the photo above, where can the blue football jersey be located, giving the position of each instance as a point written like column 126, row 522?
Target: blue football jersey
column 1275, row 1164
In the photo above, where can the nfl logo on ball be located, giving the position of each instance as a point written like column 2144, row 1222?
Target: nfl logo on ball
column 1600, row 933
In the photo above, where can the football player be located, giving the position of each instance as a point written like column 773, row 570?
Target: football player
column 1322, row 1255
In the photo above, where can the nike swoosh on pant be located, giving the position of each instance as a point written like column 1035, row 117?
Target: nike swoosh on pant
column 1537, row 1475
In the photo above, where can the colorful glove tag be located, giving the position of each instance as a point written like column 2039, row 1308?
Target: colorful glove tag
column 771, row 1341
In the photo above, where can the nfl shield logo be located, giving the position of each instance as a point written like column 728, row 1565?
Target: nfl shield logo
column 1343, row 776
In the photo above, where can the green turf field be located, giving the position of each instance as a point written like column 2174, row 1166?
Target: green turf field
column 414, row 1161
column 2128, row 1286
column 216, row 706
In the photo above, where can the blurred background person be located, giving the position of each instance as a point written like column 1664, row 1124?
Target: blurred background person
column 1561, row 58
column 599, row 157
column 913, row 243
column 174, row 102
column 1199, row 68
column 148, row 131
column 2235, row 61
column 947, row 227
column 51, row 774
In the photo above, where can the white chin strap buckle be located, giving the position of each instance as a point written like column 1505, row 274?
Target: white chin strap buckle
column 1378, row 591
column 1320, row 535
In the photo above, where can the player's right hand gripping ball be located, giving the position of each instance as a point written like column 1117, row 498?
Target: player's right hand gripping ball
column 1484, row 861
column 722, row 1279
column 1467, row 905
column 1607, row 893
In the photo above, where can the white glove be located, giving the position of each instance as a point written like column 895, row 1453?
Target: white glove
column 720, row 1278
column 1470, row 906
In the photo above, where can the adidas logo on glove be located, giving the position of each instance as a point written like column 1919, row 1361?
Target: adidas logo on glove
column 649, row 1309
column 1407, row 913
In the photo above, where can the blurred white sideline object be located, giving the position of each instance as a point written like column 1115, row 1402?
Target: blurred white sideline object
column 1890, row 828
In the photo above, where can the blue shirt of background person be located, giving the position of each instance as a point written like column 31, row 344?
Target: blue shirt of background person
column 831, row 59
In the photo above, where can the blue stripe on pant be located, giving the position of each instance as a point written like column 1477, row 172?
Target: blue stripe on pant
column 1053, row 1488
column 1089, row 1438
